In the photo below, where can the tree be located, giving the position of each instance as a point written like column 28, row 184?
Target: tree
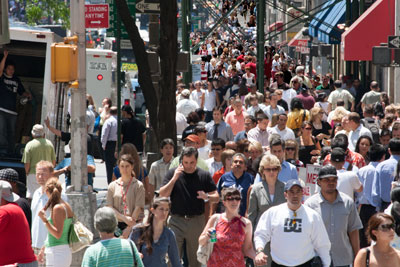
column 161, row 103
column 47, row 12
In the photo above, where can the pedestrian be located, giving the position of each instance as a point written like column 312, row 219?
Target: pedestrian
column 188, row 187
column 249, row 123
column 211, row 101
column 340, row 216
column 280, row 128
column 217, row 128
column 12, row 177
column 132, row 129
column 109, row 141
column 296, row 232
column 292, row 153
column 237, row 178
column 58, row 226
column 297, row 115
column 362, row 146
column 357, row 130
column 366, row 175
column 236, row 117
column 380, row 229
column 186, row 105
column 214, row 163
column 10, row 86
column 233, row 233
column 126, row 196
column 36, row 150
column 160, row 167
column 15, row 241
column 226, row 159
column 110, row 251
column 309, row 147
column 260, row 133
column 44, row 171
column 154, row 240
column 340, row 93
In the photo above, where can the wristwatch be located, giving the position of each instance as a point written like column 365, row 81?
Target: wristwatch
column 208, row 198
column 258, row 251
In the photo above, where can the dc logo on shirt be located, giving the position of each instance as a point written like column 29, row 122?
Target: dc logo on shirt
column 292, row 225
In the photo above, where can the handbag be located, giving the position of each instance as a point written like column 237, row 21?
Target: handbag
column 133, row 253
column 204, row 252
column 79, row 236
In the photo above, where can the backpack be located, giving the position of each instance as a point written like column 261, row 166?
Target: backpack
column 373, row 126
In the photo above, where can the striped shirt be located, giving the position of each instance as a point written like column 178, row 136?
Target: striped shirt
column 111, row 252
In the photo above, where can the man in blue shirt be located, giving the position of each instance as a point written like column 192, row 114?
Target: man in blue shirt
column 366, row 175
column 238, row 178
column 277, row 148
column 384, row 176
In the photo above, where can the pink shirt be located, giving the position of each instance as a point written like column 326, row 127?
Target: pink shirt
column 236, row 121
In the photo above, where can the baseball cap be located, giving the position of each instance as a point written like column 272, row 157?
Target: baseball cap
column 6, row 192
column 338, row 154
column 37, row 130
column 9, row 175
column 185, row 92
column 194, row 138
column 327, row 171
column 292, row 183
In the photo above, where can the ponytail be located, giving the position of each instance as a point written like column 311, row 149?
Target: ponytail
column 53, row 187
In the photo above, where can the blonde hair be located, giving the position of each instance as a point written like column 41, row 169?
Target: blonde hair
column 269, row 160
column 256, row 145
column 339, row 113
column 54, row 188
column 46, row 165
column 274, row 119
column 314, row 113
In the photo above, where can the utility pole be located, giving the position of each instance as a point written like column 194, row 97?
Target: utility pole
column 185, row 22
column 78, row 101
column 260, row 44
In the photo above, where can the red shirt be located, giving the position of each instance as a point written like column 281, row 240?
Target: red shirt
column 353, row 158
column 253, row 68
column 218, row 175
column 15, row 236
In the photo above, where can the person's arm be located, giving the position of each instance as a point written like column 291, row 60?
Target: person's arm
column 329, row 108
column 173, row 252
column 361, row 259
column 205, row 236
column 104, row 134
column 353, row 104
column 202, row 100
column 355, row 241
column 144, row 139
column 27, row 167
column 59, row 216
column 248, row 199
column 217, row 100
column 3, row 62
column 320, row 239
column 262, row 236
column 52, row 129
column 248, row 249
column 166, row 190
column 91, row 168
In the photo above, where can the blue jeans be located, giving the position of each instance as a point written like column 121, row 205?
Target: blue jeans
column 7, row 132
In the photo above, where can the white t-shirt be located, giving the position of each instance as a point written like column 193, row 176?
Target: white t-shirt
column 249, row 79
column 286, row 134
column 210, row 100
column 196, row 96
column 275, row 65
column 288, row 95
column 204, row 152
column 348, row 182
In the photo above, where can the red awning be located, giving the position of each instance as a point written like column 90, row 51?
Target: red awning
column 370, row 29
column 299, row 40
column 276, row 26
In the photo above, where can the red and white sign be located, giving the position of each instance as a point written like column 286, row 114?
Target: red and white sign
column 97, row 16
column 309, row 176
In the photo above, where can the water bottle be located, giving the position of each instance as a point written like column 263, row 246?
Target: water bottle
column 213, row 236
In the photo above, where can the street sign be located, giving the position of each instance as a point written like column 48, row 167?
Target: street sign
column 112, row 30
column 96, row 16
column 148, row 6
column 394, row 42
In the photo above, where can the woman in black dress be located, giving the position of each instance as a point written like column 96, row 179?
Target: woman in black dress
column 321, row 129
column 309, row 148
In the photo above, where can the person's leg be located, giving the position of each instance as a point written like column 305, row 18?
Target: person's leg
column 11, row 123
column 178, row 226
column 196, row 226
column 109, row 159
column 3, row 132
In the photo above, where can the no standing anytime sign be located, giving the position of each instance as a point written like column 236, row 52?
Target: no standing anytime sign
column 97, row 16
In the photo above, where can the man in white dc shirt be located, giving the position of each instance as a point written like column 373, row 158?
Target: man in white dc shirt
column 281, row 129
column 44, row 171
column 357, row 130
column 296, row 232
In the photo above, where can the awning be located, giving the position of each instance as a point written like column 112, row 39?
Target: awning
column 324, row 25
column 299, row 39
column 370, row 29
column 276, row 26
column 328, row 32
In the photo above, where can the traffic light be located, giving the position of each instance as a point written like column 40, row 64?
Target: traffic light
column 64, row 62
column 4, row 28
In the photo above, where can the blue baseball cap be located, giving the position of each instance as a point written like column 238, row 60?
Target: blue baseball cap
column 292, row 183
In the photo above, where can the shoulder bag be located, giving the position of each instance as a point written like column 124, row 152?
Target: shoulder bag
column 79, row 236
column 204, row 252
column 133, row 253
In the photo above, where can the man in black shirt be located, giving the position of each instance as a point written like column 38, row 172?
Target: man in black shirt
column 10, row 85
column 132, row 130
column 189, row 188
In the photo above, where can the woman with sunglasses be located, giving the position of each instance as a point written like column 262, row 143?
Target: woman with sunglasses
column 267, row 193
column 233, row 232
column 309, row 148
column 292, row 153
column 321, row 129
column 381, row 230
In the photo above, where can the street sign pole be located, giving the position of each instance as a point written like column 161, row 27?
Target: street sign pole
column 118, row 40
column 260, row 45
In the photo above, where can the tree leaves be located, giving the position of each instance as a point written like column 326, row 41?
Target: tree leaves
column 47, row 12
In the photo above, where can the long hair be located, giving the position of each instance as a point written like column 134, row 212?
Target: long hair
column 130, row 149
column 147, row 229
column 53, row 187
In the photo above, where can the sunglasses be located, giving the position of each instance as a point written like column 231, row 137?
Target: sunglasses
column 307, row 128
column 271, row 169
column 294, row 82
column 386, row 227
column 290, row 148
column 233, row 198
column 216, row 149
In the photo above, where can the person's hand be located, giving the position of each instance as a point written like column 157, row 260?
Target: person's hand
column 315, row 152
column 141, row 255
column 320, row 136
column 314, row 159
column 5, row 52
column 47, row 122
column 202, row 195
column 42, row 215
column 178, row 171
column 40, row 257
column 260, row 259
column 126, row 232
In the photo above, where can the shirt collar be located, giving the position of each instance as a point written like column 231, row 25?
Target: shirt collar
column 374, row 163
column 338, row 198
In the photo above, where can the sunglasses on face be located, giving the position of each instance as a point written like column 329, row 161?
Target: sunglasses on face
column 271, row 169
column 233, row 198
column 290, row 148
column 307, row 128
column 386, row 227
column 216, row 149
